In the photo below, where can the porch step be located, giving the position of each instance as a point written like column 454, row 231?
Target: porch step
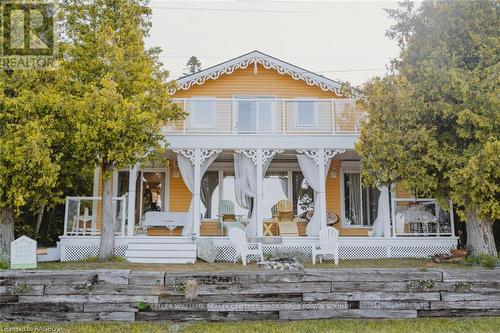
column 166, row 251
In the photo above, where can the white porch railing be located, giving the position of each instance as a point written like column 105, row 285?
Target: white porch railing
column 82, row 215
column 421, row 217
column 268, row 116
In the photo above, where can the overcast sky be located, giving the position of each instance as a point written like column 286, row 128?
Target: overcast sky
column 338, row 39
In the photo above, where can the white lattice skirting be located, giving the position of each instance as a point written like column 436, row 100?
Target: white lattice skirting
column 81, row 247
column 354, row 248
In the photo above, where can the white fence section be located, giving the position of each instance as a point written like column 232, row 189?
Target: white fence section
column 81, row 215
column 421, row 217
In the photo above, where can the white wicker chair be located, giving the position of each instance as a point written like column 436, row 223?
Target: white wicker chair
column 238, row 239
column 328, row 244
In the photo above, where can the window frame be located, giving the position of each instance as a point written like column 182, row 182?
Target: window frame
column 192, row 114
column 315, row 112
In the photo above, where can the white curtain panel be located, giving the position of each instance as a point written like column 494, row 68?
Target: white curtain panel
column 310, row 170
column 355, row 198
column 383, row 213
column 245, row 183
column 187, row 172
column 245, row 186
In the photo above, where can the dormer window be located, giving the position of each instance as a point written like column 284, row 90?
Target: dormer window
column 202, row 113
column 306, row 113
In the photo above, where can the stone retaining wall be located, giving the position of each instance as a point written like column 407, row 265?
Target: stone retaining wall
column 107, row 295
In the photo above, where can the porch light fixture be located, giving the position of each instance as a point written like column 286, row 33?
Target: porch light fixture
column 333, row 173
column 176, row 170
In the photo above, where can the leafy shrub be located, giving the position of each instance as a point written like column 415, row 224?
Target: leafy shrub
column 482, row 260
column 4, row 259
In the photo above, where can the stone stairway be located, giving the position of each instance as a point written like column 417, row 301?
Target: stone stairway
column 161, row 250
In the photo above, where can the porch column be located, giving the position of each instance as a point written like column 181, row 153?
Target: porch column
column 132, row 182
column 259, row 198
column 196, row 191
column 322, row 183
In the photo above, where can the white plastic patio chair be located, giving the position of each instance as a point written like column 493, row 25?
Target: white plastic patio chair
column 328, row 244
column 238, row 239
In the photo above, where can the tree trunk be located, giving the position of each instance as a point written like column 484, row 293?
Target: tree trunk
column 107, row 243
column 480, row 239
column 6, row 228
column 39, row 218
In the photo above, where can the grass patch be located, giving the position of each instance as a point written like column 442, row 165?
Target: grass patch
column 225, row 266
column 442, row 325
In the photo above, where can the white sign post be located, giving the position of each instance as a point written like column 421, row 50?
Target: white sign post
column 23, row 253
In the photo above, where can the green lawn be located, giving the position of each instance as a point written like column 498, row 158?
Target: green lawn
column 439, row 325
column 224, row 266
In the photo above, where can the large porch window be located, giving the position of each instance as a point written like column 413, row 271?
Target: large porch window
column 360, row 203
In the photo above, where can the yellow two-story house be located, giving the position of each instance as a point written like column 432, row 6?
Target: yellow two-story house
column 267, row 147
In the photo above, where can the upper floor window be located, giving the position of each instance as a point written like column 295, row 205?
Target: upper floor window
column 202, row 113
column 306, row 114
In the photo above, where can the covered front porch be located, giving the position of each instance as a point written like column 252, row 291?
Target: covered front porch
column 198, row 194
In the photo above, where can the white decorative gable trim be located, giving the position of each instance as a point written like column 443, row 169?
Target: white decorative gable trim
column 254, row 58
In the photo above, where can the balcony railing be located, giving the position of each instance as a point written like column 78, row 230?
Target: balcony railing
column 268, row 116
column 82, row 215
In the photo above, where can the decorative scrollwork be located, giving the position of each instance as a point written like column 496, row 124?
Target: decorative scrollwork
column 250, row 153
column 269, row 153
column 207, row 153
column 204, row 154
column 187, row 153
column 313, row 153
column 267, row 62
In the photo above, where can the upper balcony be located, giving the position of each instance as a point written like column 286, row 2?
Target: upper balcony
column 268, row 116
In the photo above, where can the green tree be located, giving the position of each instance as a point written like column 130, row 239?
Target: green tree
column 29, row 138
column 119, row 91
column 193, row 65
column 444, row 95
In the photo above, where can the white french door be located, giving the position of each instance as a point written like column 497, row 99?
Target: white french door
column 255, row 115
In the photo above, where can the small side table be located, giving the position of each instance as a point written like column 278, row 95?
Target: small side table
column 267, row 228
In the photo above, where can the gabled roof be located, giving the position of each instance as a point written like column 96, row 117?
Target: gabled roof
column 254, row 58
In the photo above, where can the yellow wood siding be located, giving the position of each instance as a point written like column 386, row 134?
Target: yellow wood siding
column 267, row 82
column 179, row 194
